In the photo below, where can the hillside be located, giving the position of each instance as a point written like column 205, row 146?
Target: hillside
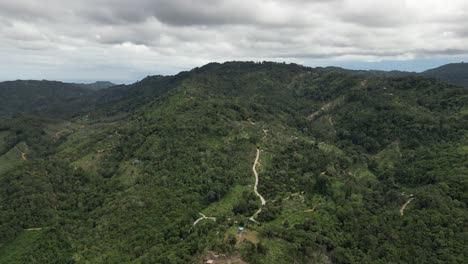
column 41, row 97
column 68, row 100
column 456, row 73
column 352, row 170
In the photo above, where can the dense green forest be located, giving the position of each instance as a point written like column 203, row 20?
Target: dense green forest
column 354, row 169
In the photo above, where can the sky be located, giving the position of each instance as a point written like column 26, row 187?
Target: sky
column 125, row 40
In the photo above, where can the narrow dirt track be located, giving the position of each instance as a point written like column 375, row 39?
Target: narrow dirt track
column 33, row 229
column 313, row 208
column 256, row 178
column 256, row 185
column 202, row 218
column 23, row 154
column 57, row 135
column 402, row 209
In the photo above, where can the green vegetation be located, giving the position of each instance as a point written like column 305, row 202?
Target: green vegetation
column 15, row 156
column 47, row 98
column 16, row 251
column 97, row 85
column 125, row 181
column 3, row 140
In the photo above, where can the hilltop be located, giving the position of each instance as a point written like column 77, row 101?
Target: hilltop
column 456, row 73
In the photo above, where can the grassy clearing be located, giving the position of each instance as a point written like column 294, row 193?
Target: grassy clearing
column 362, row 172
column 330, row 149
column 292, row 213
column 247, row 235
column 59, row 129
column 464, row 111
column 129, row 172
column 90, row 162
column 3, row 145
column 13, row 252
column 265, row 162
column 225, row 205
column 389, row 156
column 86, row 143
column 278, row 252
column 75, row 142
column 12, row 158
column 463, row 149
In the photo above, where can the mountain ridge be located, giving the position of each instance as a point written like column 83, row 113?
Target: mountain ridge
column 454, row 73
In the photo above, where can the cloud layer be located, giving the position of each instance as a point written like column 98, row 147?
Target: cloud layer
column 127, row 39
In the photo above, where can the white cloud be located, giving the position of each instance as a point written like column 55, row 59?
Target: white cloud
column 129, row 39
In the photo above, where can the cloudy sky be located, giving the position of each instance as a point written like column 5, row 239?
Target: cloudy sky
column 125, row 40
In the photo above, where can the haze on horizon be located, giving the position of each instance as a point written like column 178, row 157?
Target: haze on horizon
column 125, row 40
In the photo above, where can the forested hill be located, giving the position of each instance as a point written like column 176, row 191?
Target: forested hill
column 65, row 100
column 352, row 169
column 45, row 97
column 68, row 100
column 454, row 73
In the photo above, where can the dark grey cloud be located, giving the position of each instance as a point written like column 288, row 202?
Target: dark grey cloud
column 212, row 12
column 169, row 35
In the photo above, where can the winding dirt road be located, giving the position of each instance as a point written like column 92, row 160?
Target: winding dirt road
column 402, row 209
column 256, row 185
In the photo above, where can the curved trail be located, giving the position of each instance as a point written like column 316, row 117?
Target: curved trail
column 57, row 134
column 256, row 185
column 402, row 209
column 23, row 154
column 313, row 208
column 202, row 218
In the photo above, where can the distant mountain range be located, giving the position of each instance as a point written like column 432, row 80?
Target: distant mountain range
column 454, row 73
column 41, row 97
column 52, row 98
column 49, row 98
